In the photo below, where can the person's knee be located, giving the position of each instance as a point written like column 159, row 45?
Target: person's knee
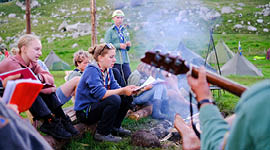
column 114, row 100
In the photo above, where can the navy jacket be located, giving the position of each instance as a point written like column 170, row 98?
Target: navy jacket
column 91, row 87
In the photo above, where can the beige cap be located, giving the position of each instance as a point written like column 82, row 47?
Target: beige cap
column 118, row 13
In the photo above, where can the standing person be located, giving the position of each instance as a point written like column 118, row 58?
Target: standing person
column 250, row 127
column 119, row 37
column 99, row 97
column 47, row 105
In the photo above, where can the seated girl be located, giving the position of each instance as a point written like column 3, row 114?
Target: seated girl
column 100, row 99
column 47, row 105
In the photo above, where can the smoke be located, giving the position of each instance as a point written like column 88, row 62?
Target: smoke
column 166, row 23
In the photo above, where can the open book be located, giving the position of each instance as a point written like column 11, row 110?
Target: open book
column 22, row 92
column 149, row 81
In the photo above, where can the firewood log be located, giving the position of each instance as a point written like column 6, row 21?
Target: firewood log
column 141, row 113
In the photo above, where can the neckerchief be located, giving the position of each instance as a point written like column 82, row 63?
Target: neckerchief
column 105, row 74
column 120, row 33
column 78, row 70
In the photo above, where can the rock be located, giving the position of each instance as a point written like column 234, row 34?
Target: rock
column 33, row 4
column 63, row 26
column 35, row 21
column 145, row 139
column 242, row 22
column 239, row 8
column 251, row 28
column 227, row 10
column 84, row 28
column 75, row 45
column 241, row 4
column 238, row 26
column 266, row 12
column 11, row 15
column 260, row 20
column 75, row 35
column 265, row 30
column 86, row 9
column 229, row 21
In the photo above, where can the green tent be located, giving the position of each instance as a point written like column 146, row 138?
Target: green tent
column 224, row 54
column 239, row 65
column 53, row 62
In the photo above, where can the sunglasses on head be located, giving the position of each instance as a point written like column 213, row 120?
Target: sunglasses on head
column 108, row 45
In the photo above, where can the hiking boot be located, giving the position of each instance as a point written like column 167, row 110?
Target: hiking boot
column 55, row 128
column 107, row 138
column 121, row 132
column 68, row 126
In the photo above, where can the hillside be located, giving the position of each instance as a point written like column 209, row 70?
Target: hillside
column 150, row 23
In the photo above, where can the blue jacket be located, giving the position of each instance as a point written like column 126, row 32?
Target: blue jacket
column 91, row 87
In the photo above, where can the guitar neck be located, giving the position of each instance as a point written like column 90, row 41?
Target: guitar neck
column 222, row 82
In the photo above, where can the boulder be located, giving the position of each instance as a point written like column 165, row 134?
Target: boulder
column 260, row 20
column 12, row 15
column 238, row 26
column 251, row 28
column 265, row 30
column 227, row 10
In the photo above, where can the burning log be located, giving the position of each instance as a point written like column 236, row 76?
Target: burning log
column 145, row 139
column 141, row 113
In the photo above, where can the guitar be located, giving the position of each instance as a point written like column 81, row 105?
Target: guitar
column 175, row 65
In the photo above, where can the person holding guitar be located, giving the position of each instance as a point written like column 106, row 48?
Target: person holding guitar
column 249, row 129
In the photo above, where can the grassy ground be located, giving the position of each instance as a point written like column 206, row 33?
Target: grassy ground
column 253, row 44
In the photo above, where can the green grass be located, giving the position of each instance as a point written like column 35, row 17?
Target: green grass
column 253, row 44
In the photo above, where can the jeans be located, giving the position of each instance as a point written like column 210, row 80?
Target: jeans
column 44, row 105
column 109, row 113
column 157, row 93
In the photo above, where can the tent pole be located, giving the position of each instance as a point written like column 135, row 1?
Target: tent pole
column 93, row 22
column 27, row 14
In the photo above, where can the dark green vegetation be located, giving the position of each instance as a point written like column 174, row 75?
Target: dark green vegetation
column 253, row 44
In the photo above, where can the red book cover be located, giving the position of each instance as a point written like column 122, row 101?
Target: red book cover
column 26, row 73
column 22, row 92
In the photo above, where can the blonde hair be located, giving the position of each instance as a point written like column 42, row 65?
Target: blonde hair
column 80, row 56
column 100, row 50
column 14, row 50
column 26, row 39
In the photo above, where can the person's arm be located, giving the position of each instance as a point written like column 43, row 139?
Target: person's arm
column 213, row 125
column 43, row 75
column 128, row 90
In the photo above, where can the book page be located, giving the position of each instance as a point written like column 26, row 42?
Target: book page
column 150, row 80
column 22, row 92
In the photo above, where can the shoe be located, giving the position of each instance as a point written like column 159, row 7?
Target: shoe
column 55, row 128
column 121, row 132
column 68, row 126
column 156, row 113
column 107, row 138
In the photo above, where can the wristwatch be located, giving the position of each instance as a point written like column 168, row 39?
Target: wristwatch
column 205, row 101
